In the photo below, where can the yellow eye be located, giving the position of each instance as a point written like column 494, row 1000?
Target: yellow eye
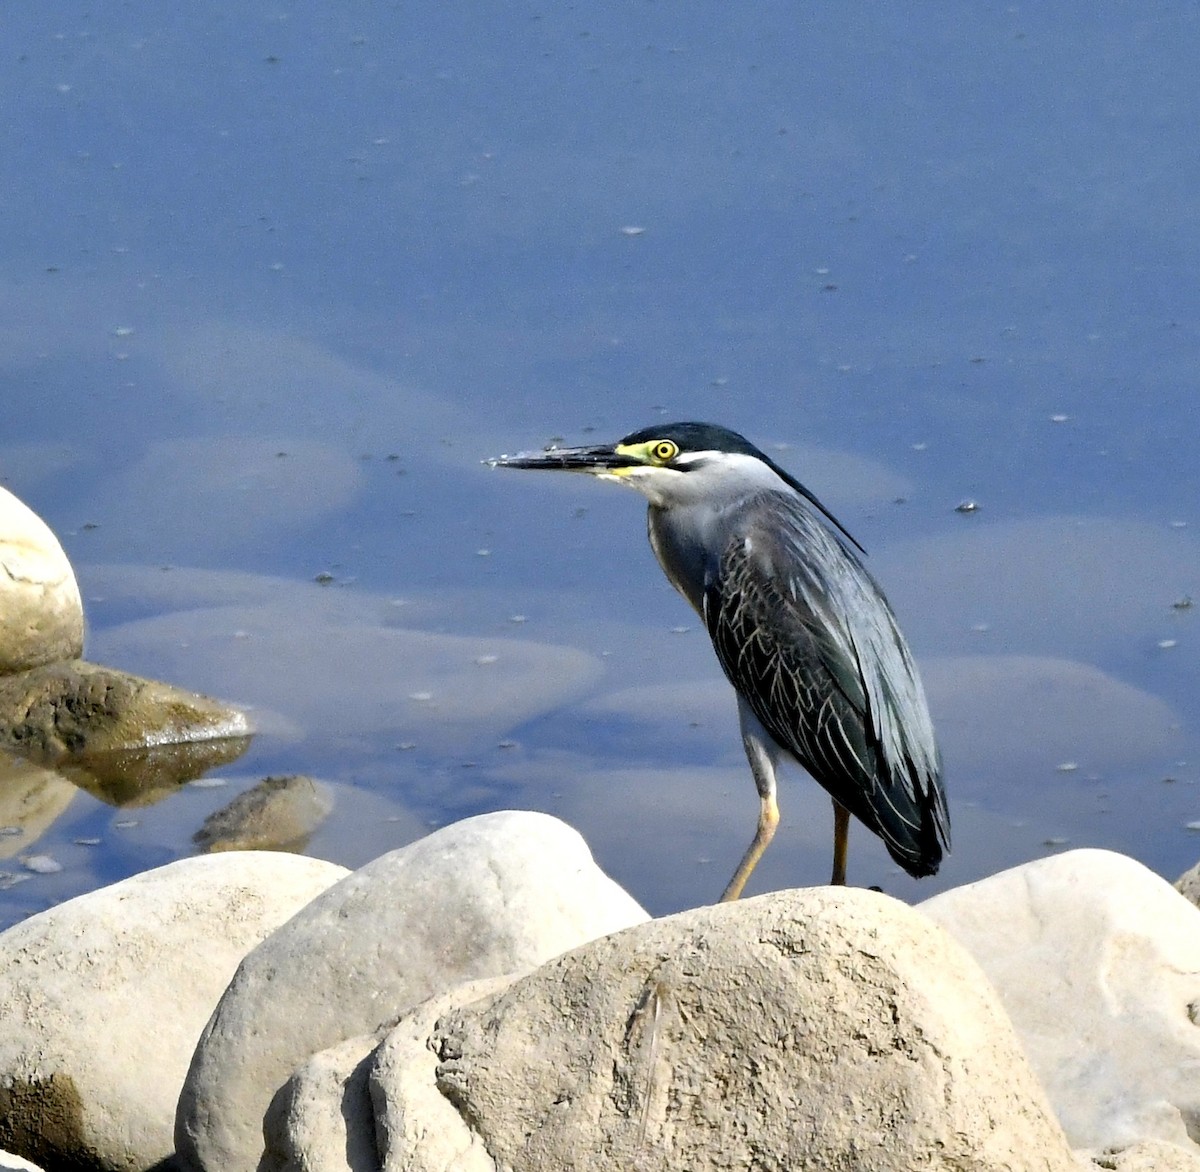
column 664, row 451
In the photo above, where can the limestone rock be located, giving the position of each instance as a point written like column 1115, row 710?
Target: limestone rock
column 41, row 613
column 819, row 1028
column 1188, row 885
column 78, row 708
column 410, row 1112
column 105, row 995
column 491, row 895
column 1152, row 1155
column 324, row 1118
column 1097, row 961
column 320, row 1121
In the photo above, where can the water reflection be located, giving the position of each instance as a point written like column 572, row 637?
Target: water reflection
column 31, row 798
column 141, row 777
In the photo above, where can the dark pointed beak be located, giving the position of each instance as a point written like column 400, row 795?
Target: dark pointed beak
column 600, row 458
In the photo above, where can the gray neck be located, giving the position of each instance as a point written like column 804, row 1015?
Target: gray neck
column 688, row 542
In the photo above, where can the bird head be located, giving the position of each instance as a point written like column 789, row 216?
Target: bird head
column 670, row 464
column 675, row 464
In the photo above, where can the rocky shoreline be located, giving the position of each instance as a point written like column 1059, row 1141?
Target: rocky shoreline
column 487, row 998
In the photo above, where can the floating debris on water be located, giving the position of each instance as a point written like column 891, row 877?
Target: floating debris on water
column 41, row 864
column 967, row 507
column 1067, row 767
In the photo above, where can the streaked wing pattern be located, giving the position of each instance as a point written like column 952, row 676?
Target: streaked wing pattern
column 803, row 632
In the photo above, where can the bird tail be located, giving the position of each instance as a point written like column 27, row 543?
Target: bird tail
column 914, row 823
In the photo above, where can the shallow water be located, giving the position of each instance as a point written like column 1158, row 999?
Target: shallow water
column 276, row 283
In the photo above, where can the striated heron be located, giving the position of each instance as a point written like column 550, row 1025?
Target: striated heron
column 802, row 631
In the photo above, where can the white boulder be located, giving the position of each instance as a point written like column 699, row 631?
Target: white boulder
column 1097, row 962
column 325, row 1117
column 818, row 1028
column 105, row 995
column 484, row 897
column 320, row 1121
column 41, row 613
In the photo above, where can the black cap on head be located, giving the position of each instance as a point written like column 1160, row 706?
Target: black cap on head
column 697, row 437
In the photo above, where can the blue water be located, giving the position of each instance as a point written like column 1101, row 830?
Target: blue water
column 922, row 257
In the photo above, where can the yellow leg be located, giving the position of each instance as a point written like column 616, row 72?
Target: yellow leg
column 760, row 753
column 768, row 819
column 841, row 843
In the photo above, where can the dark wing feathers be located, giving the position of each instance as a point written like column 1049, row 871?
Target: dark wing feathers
column 805, row 635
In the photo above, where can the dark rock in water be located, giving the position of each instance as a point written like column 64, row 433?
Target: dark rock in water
column 280, row 813
column 74, row 708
